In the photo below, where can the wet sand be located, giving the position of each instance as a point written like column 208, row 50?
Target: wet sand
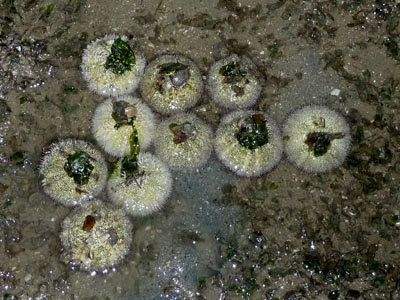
column 285, row 235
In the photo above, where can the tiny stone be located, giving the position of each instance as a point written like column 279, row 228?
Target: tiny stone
column 43, row 288
column 28, row 277
column 118, row 290
column 335, row 92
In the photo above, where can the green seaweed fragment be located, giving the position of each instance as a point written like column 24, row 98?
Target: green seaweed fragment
column 232, row 70
column 170, row 68
column 74, row 6
column 130, row 164
column 253, row 132
column 246, row 289
column 70, row 90
column 122, row 57
column 18, row 157
column 113, row 166
column 46, row 11
column 134, row 142
column 78, row 167
column 23, row 99
column 393, row 220
column 392, row 47
column 320, row 142
column 124, row 114
column 10, row 6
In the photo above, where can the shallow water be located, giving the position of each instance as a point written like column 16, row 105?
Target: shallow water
column 285, row 235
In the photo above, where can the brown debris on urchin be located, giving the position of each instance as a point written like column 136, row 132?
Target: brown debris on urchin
column 317, row 139
column 184, row 142
column 171, row 84
column 95, row 237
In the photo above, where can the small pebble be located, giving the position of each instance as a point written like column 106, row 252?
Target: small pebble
column 335, row 92
column 28, row 277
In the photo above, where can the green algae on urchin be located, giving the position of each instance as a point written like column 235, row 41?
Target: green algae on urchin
column 317, row 139
column 72, row 172
column 171, row 84
column 143, row 192
column 95, row 236
column 115, row 138
column 107, row 70
column 184, row 142
column 249, row 143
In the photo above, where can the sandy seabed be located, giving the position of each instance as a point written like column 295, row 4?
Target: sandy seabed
column 285, row 235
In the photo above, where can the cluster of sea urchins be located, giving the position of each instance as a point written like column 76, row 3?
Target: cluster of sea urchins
column 96, row 235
